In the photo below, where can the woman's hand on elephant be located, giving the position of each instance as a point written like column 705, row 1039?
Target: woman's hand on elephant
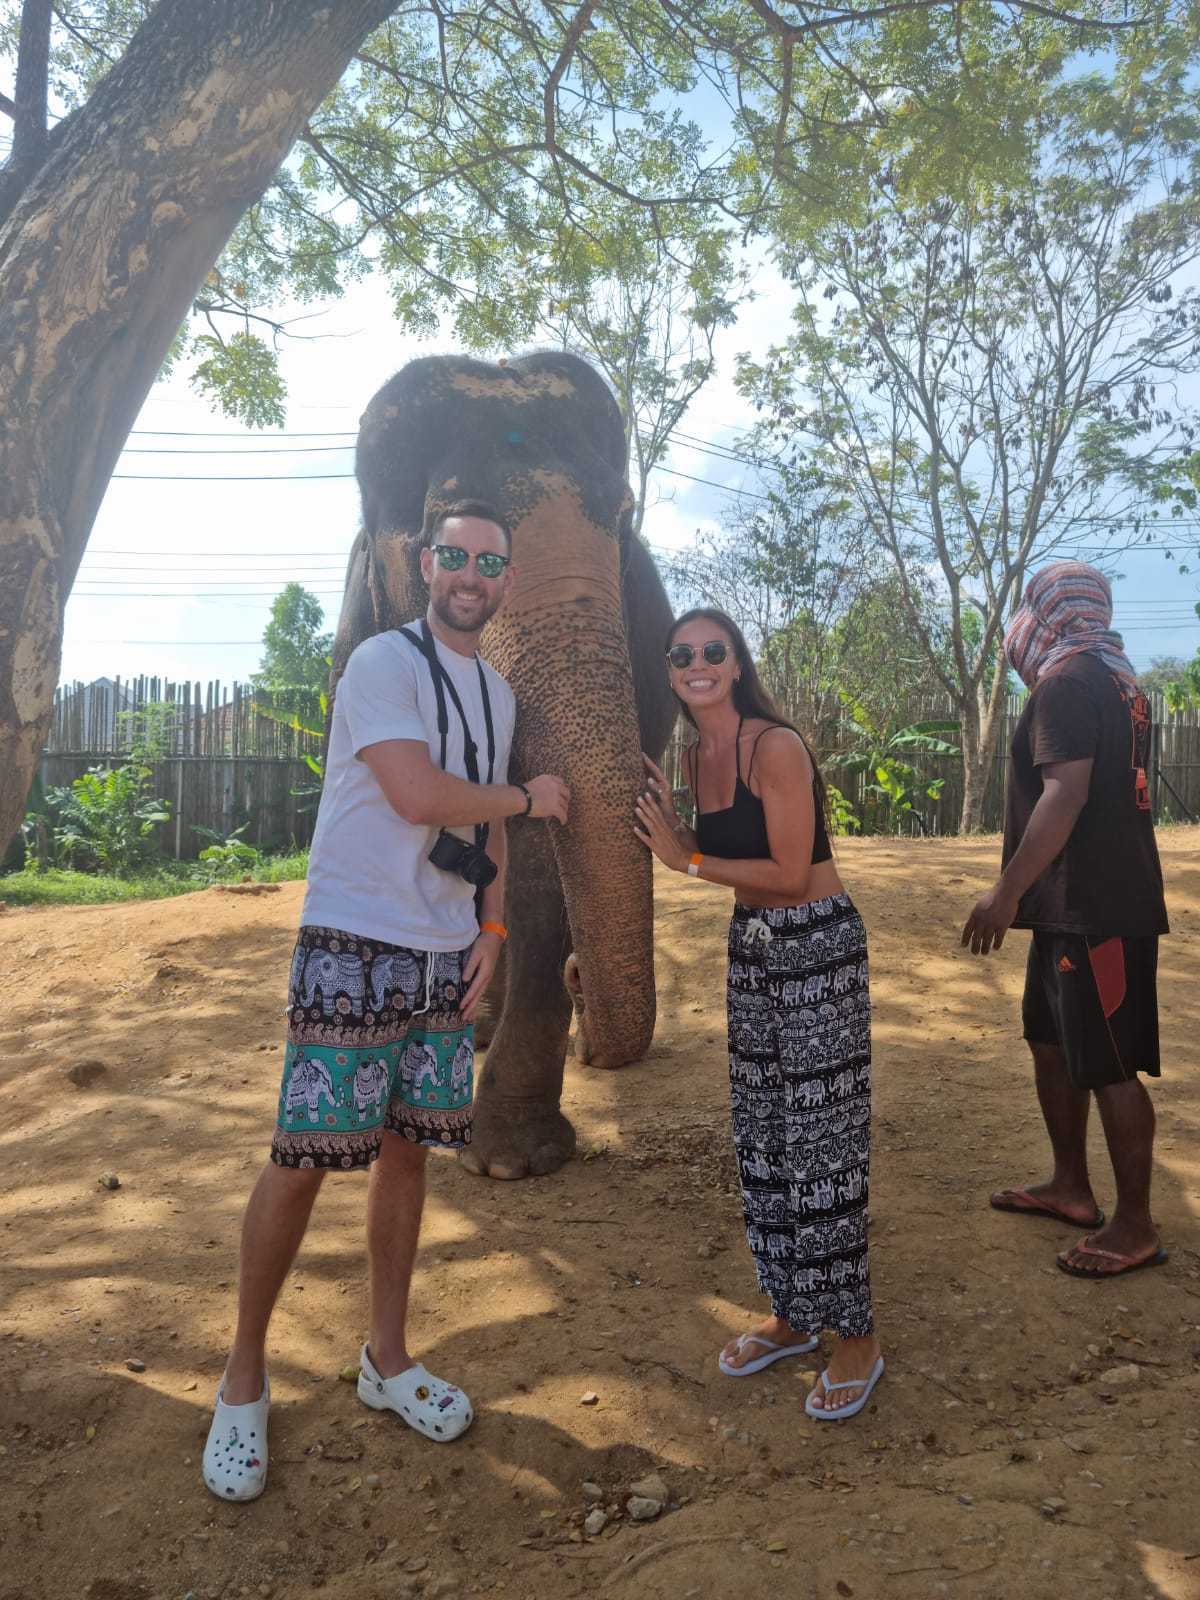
column 477, row 973
column 659, row 788
column 657, row 834
column 551, row 797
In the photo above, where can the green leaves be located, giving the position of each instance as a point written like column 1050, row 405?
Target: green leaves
column 295, row 661
column 241, row 376
column 874, row 750
column 105, row 819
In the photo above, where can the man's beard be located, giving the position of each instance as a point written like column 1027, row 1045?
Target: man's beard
column 441, row 605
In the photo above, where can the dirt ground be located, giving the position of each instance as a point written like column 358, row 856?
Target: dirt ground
column 1033, row 1436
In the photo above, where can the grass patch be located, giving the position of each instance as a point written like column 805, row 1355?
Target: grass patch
column 61, row 887
column 282, row 869
column 58, row 886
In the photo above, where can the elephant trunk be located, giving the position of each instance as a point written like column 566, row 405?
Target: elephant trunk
column 561, row 642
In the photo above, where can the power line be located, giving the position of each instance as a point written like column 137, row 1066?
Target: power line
column 687, row 440
column 217, row 433
column 283, row 450
column 217, row 477
column 219, row 555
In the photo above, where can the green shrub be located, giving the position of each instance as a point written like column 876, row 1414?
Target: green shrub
column 105, row 820
column 227, row 857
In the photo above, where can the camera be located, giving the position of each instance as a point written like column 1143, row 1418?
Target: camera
column 469, row 861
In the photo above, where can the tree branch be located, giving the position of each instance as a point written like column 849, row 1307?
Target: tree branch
column 841, row 16
column 30, row 102
column 33, row 79
column 570, row 43
column 8, row 106
column 81, row 38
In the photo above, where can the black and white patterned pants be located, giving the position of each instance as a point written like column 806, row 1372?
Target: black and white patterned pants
column 800, row 1079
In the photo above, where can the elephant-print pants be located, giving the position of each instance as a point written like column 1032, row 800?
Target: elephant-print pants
column 375, row 1043
column 800, row 1078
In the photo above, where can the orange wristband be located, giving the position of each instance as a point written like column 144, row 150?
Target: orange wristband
column 497, row 928
column 694, row 861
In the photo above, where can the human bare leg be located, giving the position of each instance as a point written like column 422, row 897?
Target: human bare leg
column 395, row 1201
column 1127, row 1113
column 1065, row 1113
column 276, row 1217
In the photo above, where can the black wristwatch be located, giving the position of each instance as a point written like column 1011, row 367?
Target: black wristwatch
column 528, row 799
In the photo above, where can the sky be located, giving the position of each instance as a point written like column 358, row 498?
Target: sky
column 190, row 548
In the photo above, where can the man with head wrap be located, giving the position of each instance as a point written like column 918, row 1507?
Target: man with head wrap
column 1081, row 870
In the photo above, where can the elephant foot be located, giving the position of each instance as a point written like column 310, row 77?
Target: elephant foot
column 521, row 1141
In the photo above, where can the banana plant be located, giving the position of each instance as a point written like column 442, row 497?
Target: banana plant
column 883, row 756
column 302, row 723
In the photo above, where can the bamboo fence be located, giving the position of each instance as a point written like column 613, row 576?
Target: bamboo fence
column 1174, row 770
column 221, row 762
column 212, row 754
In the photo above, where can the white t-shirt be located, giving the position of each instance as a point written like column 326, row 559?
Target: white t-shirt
column 368, row 869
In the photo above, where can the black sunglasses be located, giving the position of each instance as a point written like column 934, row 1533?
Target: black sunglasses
column 453, row 558
column 682, row 655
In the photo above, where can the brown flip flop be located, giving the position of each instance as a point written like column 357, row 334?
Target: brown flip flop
column 1035, row 1208
column 1156, row 1258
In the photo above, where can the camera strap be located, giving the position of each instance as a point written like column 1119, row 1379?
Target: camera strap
column 443, row 683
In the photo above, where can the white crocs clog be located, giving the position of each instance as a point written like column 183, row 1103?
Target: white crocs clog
column 435, row 1408
column 235, row 1455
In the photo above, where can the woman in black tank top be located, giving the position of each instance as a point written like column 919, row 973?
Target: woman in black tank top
column 798, row 1004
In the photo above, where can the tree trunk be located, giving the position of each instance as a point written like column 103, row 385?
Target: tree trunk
column 100, row 259
column 974, row 768
column 981, row 729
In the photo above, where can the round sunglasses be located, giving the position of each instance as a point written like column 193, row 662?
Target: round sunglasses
column 453, row 558
column 682, row 655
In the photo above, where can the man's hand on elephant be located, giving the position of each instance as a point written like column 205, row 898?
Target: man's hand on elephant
column 551, row 797
column 478, row 970
column 657, row 834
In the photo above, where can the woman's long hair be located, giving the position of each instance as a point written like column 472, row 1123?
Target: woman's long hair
column 750, row 698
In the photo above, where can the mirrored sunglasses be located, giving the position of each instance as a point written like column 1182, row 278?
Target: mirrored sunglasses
column 453, row 558
column 682, row 655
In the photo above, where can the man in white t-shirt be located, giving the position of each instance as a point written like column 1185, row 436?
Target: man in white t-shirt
column 395, row 950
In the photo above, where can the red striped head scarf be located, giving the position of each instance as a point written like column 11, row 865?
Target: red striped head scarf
column 1066, row 611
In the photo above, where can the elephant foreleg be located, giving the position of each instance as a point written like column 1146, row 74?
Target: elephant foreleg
column 487, row 1018
column 519, row 1130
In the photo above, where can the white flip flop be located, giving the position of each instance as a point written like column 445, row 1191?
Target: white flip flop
column 775, row 1352
column 431, row 1406
column 867, row 1384
column 235, row 1453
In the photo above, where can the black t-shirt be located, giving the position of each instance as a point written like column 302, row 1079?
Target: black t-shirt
column 1107, row 880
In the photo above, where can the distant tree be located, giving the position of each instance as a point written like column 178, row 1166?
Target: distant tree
column 1162, row 671
column 983, row 372
column 295, row 661
column 649, row 326
column 1183, row 690
column 790, row 574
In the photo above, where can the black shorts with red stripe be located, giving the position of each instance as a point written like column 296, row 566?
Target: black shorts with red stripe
column 1097, row 1000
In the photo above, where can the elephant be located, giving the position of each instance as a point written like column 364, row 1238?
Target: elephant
column 370, row 1087
column 331, row 975
column 308, row 1085
column 580, row 640
column 815, row 987
column 460, row 1067
column 420, row 1065
column 395, row 971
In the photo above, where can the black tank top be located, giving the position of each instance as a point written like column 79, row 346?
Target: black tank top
column 739, row 832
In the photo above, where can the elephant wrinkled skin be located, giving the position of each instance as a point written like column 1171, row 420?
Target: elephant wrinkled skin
column 580, row 641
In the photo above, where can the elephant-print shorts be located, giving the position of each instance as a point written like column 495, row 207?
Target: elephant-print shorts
column 375, row 1042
